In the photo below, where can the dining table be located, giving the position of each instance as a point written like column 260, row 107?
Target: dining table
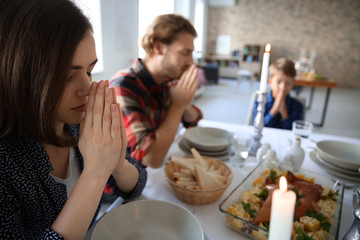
column 212, row 220
column 316, row 83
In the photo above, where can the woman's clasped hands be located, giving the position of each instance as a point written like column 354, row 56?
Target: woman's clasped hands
column 102, row 133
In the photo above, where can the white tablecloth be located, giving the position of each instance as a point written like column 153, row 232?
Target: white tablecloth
column 211, row 219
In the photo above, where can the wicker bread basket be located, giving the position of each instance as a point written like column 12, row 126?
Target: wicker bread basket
column 198, row 196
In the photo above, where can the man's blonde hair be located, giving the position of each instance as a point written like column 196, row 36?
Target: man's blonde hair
column 165, row 29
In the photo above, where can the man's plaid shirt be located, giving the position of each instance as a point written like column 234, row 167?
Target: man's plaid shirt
column 144, row 105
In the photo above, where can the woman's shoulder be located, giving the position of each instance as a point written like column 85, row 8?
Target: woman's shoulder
column 13, row 154
column 15, row 144
column 20, row 152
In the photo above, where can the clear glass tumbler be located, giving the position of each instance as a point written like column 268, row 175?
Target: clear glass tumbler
column 302, row 128
column 239, row 151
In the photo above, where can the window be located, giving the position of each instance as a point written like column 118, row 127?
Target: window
column 194, row 11
column 199, row 20
column 146, row 16
column 92, row 10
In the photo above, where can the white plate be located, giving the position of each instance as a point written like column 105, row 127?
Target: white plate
column 342, row 170
column 188, row 145
column 336, row 173
column 341, row 154
column 209, row 139
column 150, row 220
column 186, row 150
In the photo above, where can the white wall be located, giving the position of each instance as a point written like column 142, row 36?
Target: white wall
column 120, row 27
column 185, row 8
column 120, row 35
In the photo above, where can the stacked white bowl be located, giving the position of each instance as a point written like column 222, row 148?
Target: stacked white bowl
column 339, row 158
column 212, row 142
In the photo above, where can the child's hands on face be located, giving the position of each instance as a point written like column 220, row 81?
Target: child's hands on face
column 281, row 94
column 282, row 100
column 102, row 134
column 279, row 101
column 281, row 86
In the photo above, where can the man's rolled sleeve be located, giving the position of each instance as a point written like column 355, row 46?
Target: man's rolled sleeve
column 195, row 122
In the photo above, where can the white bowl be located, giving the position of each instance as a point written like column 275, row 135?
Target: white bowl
column 209, row 139
column 150, row 220
column 341, row 154
column 185, row 146
column 335, row 171
column 188, row 145
column 344, row 171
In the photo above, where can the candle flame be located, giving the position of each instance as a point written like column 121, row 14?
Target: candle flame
column 267, row 47
column 283, row 184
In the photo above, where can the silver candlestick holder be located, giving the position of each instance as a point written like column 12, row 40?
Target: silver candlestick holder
column 258, row 123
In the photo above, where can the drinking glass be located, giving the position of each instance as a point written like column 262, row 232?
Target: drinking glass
column 302, row 128
column 239, row 151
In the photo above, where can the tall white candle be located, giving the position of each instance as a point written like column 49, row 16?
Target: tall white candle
column 265, row 69
column 282, row 212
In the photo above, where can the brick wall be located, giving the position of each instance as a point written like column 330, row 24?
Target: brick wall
column 331, row 27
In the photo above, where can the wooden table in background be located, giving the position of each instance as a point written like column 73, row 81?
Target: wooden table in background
column 313, row 83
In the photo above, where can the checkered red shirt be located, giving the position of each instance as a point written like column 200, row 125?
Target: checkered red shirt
column 144, row 105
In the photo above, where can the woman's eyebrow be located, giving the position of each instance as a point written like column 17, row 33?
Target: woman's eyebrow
column 80, row 67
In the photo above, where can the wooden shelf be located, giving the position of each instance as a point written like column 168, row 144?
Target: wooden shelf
column 228, row 65
column 252, row 53
column 251, row 59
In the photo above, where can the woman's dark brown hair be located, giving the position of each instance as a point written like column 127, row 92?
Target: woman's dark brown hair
column 165, row 29
column 38, row 39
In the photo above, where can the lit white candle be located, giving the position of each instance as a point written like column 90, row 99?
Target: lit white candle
column 282, row 212
column 265, row 69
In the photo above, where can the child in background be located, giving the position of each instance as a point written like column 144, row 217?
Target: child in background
column 280, row 108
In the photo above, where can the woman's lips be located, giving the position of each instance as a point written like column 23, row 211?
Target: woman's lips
column 80, row 108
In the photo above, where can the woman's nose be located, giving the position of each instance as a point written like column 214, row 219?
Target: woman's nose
column 84, row 85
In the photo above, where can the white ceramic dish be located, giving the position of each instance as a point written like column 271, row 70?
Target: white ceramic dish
column 209, row 139
column 341, row 176
column 188, row 145
column 187, row 150
column 341, row 154
column 148, row 219
column 342, row 170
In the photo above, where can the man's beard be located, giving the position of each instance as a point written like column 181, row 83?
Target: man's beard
column 171, row 71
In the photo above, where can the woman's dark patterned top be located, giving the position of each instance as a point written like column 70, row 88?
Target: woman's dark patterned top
column 30, row 198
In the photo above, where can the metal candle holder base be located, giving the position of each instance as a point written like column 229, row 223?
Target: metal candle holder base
column 258, row 123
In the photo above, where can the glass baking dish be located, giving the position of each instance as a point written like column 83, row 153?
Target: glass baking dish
column 254, row 231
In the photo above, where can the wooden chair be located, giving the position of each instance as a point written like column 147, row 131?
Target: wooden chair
column 245, row 73
column 249, row 117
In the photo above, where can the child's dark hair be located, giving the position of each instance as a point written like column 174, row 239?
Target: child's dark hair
column 285, row 65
